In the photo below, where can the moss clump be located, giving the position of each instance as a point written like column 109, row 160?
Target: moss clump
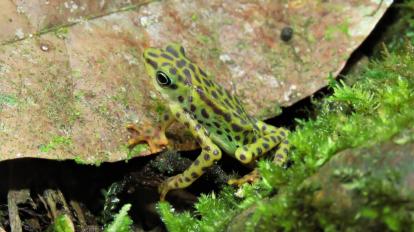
column 122, row 222
column 57, row 141
column 8, row 100
column 215, row 211
column 62, row 223
column 377, row 107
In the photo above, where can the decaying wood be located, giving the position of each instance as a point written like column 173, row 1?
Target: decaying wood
column 15, row 197
column 78, row 213
column 56, row 203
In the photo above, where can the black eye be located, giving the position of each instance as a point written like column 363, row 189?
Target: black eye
column 163, row 79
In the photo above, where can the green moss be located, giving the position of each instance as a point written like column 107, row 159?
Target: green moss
column 122, row 97
column 79, row 160
column 60, row 94
column 333, row 29
column 169, row 162
column 122, row 222
column 216, row 213
column 374, row 109
column 242, row 45
column 98, row 162
column 56, row 142
column 74, row 116
column 135, row 151
column 76, row 74
column 203, row 38
column 62, row 223
column 194, row 17
column 9, row 100
column 103, row 110
column 61, row 32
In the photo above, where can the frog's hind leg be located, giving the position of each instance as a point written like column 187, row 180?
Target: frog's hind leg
column 270, row 138
column 278, row 136
column 281, row 155
column 209, row 155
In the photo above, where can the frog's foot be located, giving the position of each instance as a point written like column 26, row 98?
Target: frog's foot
column 164, row 188
column 251, row 177
column 281, row 155
column 174, row 182
column 155, row 138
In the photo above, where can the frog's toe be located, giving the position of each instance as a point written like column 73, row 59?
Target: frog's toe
column 132, row 127
column 163, row 190
column 155, row 139
column 166, row 186
column 248, row 178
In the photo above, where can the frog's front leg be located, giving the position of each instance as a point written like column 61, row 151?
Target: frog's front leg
column 270, row 138
column 209, row 154
column 154, row 137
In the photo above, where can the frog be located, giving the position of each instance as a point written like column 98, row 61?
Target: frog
column 216, row 118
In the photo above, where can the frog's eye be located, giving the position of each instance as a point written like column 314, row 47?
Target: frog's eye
column 163, row 79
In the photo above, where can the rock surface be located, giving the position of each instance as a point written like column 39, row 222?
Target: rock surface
column 72, row 77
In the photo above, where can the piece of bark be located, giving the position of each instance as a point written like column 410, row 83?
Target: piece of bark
column 15, row 197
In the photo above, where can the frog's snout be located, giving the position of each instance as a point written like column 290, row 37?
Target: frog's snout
column 145, row 54
column 150, row 53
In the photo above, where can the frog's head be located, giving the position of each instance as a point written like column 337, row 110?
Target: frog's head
column 169, row 71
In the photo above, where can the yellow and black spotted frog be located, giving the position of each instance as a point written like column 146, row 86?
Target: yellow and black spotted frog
column 216, row 119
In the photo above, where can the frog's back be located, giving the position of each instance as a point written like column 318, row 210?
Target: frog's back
column 221, row 113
